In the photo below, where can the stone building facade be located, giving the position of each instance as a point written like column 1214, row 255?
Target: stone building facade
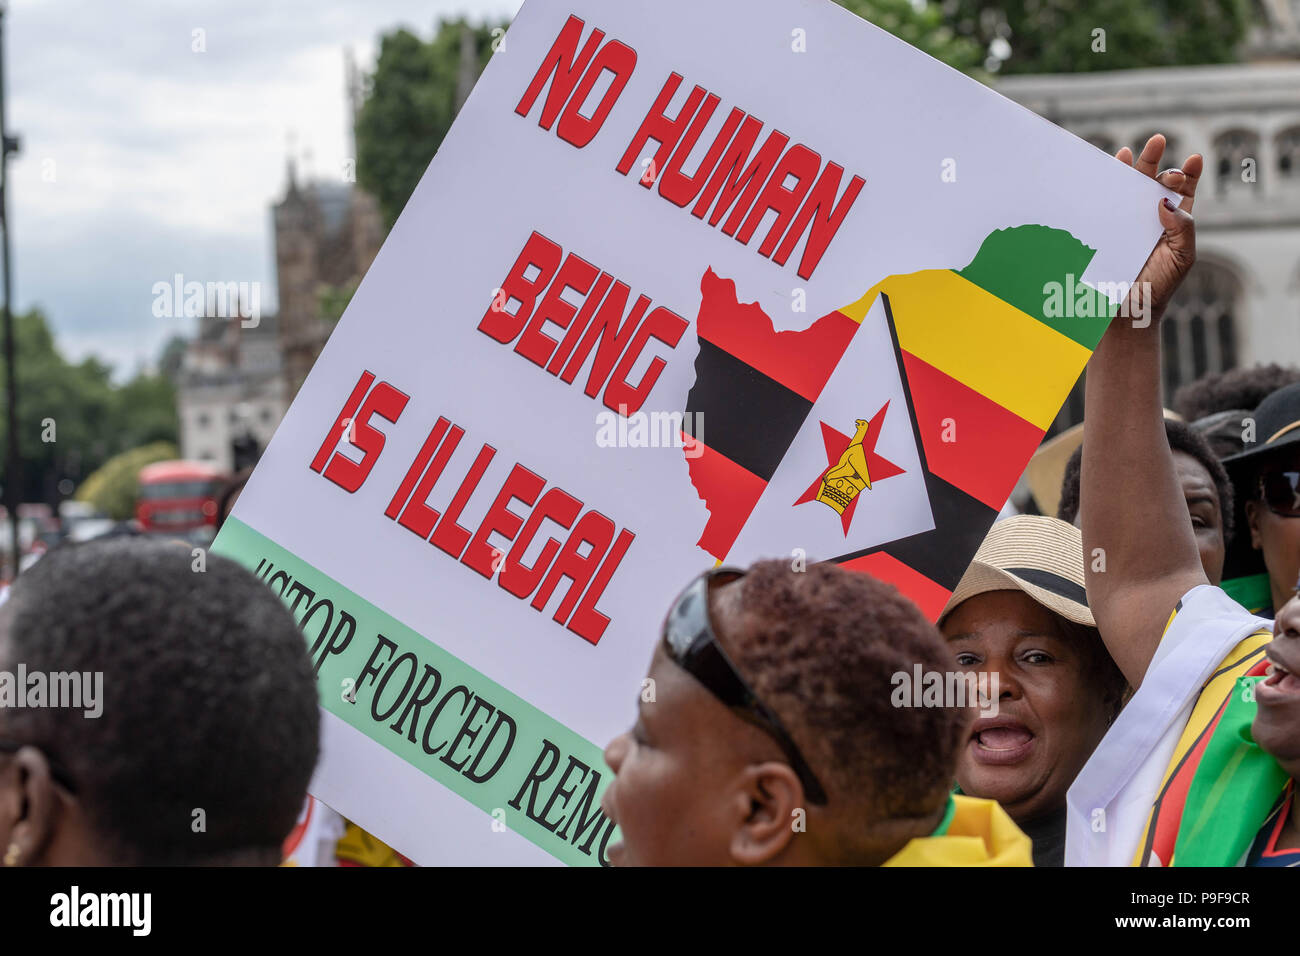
column 1241, row 304
column 326, row 236
column 230, row 391
column 236, row 381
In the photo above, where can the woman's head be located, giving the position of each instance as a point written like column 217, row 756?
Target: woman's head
column 1267, row 474
column 1058, row 691
column 699, row 780
column 1237, row 390
column 1273, row 515
column 1205, row 486
column 1277, row 716
column 194, row 742
column 1020, row 613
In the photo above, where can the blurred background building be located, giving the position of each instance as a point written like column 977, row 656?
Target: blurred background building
column 326, row 236
column 236, row 380
column 1221, row 77
column 231, row 392
column 1241, row 304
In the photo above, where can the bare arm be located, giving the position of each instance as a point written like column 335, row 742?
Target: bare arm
column 1132, row 508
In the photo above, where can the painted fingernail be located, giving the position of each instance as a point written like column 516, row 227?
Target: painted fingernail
column 1169, row 204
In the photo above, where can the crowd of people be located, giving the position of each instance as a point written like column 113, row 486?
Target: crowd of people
column 1138, row 656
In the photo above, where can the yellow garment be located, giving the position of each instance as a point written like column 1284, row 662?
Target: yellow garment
column 358, row 848
column 1221, row 683
column 980, row 834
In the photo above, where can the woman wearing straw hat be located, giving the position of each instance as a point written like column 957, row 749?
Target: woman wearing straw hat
column 1020, row 614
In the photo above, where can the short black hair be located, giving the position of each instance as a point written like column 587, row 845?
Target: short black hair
column 1239, row 388
column 208, row 699
column 821, row 647
column 1181, row 438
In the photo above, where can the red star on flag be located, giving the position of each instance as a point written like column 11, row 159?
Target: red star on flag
column 878, row 466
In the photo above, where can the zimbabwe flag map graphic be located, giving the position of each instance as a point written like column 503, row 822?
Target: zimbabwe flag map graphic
column 977, row 354
column 874, row 466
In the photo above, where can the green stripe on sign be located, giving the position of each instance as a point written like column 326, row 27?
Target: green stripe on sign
column 1039, row 270
column 523, row 768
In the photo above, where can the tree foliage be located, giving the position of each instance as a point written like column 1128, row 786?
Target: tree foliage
column 1061, row 36
column 114, row 486
column 332, row 300
column 72, row 417
column 172, row 357
column 412, row 95
column 925, row 27
column 410, row 105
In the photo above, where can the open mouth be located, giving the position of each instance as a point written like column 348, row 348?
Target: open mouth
column 1282, row 679
column 1000, row 741
column 1279, row 682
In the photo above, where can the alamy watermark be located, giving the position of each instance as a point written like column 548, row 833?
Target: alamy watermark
column 132, row 911
column 1075, row 299
column 684, row 430
column 79, row 690
column 219, row 300
column 921, row 688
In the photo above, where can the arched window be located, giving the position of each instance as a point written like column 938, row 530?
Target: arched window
column 1236, row 154
column 1200, row 330
column 1288, row 154
column 1199, row 335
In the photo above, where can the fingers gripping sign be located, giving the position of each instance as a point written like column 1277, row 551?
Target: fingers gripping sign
column 1175, row 253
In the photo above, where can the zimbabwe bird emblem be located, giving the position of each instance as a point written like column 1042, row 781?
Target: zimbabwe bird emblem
column 852, row 465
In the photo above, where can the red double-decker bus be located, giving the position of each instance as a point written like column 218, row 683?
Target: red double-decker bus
column 178, row 496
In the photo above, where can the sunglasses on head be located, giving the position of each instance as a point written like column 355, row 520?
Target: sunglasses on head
column 693, row 646
column 1281, row 492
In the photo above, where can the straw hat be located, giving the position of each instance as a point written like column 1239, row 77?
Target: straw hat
column 1041, row 556
column 1046, row 469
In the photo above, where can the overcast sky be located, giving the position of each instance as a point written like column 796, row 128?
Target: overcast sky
column 142, row 158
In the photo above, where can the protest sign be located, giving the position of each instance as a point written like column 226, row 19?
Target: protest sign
column 685, row 283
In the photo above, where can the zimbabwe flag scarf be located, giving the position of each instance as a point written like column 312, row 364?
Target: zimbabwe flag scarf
column 1231, row 785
